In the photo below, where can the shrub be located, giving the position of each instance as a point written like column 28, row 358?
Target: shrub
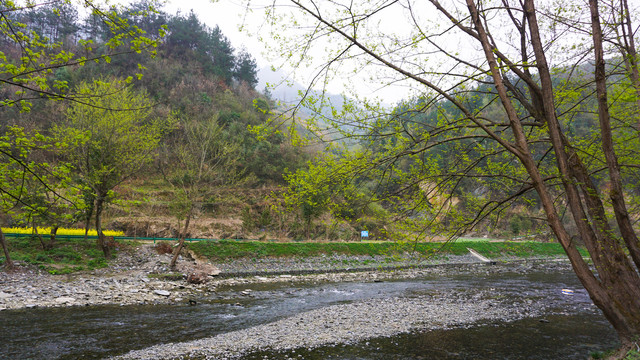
column 97, row 263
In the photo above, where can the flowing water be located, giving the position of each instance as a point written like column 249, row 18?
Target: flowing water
column 573, row 331
column 552, row 337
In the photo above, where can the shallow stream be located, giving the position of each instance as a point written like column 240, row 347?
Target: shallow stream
column 572, row 329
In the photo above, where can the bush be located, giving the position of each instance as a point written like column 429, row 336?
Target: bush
column 519, row 223
column 97, row 263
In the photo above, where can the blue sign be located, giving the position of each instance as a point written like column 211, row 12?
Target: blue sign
column 364, row 234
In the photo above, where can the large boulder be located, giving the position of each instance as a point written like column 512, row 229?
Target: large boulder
column 201, row 272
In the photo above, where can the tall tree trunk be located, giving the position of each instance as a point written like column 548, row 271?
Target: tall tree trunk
column 9, row 263
column 102, row 243
column 616, row 291
column 616, row 192
column 183, row 235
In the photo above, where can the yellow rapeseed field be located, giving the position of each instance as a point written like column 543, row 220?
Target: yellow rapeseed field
column 61, row 231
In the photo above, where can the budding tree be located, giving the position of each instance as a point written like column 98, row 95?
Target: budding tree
column 510, row 103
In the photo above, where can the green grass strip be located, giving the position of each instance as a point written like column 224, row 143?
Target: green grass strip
column 221, row 250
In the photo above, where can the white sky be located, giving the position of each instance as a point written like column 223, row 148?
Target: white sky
column 229, row 15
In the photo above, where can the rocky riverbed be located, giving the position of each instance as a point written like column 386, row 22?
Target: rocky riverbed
column 373, row 318
column 143, row 277
column 345, row 323
column 139, row 278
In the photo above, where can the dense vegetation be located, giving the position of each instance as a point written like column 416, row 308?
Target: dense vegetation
column 418, row 169
column 105, row 129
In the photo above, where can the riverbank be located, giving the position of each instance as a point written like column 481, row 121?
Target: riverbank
column 139, row 279
column 141, row 276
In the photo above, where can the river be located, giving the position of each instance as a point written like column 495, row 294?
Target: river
column 570, row 327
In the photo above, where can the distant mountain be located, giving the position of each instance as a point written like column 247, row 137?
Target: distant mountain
column 288, row 93
column 287, row 90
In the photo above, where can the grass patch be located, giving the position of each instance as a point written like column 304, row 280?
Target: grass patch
column 221, row 250
column 66, row 256
column 71, row 255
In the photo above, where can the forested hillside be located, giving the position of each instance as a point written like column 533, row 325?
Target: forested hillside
column 418, row 171
column 136, row 138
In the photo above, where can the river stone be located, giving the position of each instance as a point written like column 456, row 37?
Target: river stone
column 64, row 300
column 4, row 295
column 162, row 292
column 197, row 277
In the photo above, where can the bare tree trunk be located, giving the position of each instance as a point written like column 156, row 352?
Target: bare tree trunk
column 183, row 235
column 631, row 56
column 102, row 243
column 87, row 220
column 34, row 231
column 616, row 291
column 9, row 263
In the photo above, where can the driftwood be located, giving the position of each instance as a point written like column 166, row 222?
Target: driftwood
column 481, row 257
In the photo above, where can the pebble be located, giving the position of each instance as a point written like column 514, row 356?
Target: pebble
column 162, row 292
column 64, row 300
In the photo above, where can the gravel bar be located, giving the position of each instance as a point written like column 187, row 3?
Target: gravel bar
column 348, row 323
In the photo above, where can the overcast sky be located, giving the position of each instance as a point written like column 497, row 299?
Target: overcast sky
column 230, row 14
